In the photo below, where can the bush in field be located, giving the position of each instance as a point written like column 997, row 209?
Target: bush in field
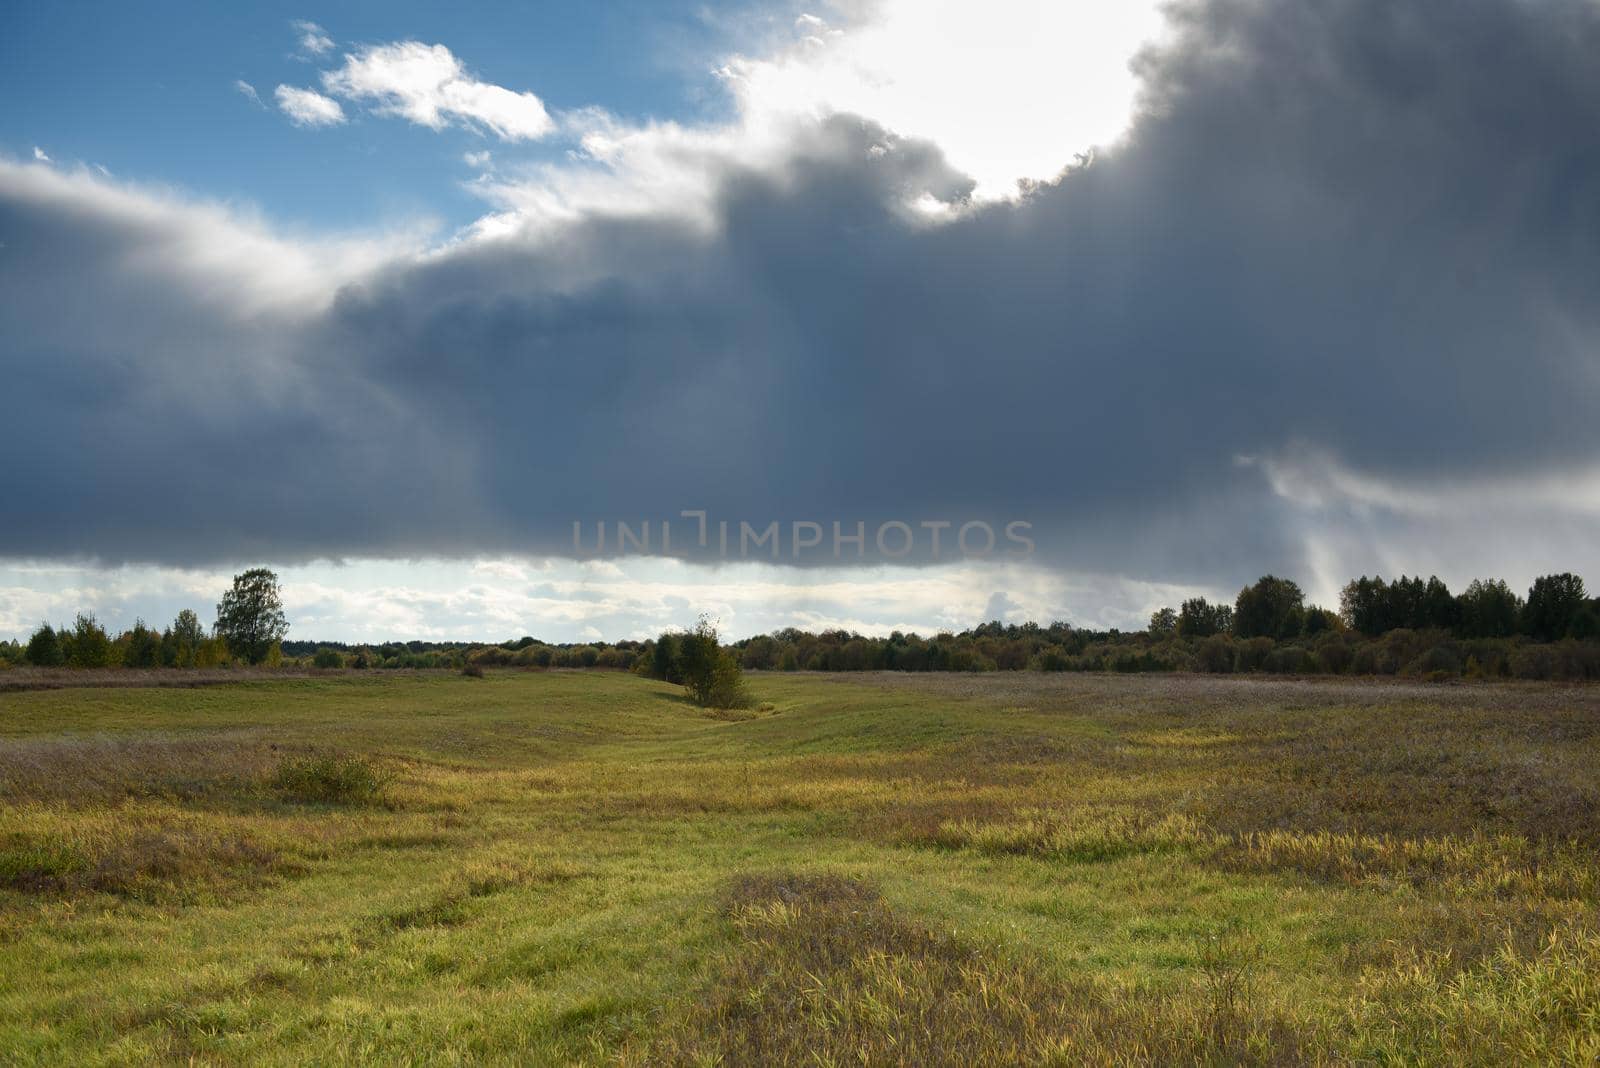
column 330, row 780
column 710, row 672
column 328, row 658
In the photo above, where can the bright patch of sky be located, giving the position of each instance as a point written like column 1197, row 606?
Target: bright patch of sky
column 574, row 601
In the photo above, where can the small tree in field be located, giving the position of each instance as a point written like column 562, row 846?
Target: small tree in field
column 250, row 616
column 710, row 672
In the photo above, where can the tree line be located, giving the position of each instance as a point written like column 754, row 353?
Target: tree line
column 1408, row 625
column 249, row 628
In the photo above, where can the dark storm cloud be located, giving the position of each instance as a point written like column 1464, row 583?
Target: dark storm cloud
column 1350, row 228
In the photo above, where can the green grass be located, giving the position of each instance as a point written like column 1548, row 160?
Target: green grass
column 585, row 868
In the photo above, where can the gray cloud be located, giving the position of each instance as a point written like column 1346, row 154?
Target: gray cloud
column 1343, row 228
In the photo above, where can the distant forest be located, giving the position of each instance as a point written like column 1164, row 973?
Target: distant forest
column 1410, row 626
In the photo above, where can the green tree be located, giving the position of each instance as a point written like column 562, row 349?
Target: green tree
column 1199, row 618
column 1553, row 602
column 88, row 646
column 1164, row 623
column 44, row 648
column 187, row 635
column 1272, row 608
column 1439, row 606
column 1365, row 606
column 141, row 647
column 1320, row 621
column 1488, row 609
column 664, row 659
column 250, row 616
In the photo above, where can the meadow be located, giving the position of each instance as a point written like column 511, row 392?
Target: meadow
column 583, row 867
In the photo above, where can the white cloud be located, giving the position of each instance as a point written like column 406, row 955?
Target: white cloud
column 314, row 41
column 477, row 159
column 40, row 155
column 308, row 108
column 1010, row 89
column 248, row 91
column 427, row 85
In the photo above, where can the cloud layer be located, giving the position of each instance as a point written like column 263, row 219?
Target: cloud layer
column 1344, row 257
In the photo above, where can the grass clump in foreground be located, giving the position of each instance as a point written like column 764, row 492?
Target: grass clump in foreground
column 330, row 780
column 826, row 973
column 152, row 864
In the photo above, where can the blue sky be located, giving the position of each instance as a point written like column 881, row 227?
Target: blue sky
column 388, row 296
column 149, row 91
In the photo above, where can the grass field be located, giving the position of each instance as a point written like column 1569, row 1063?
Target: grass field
column 584, row 868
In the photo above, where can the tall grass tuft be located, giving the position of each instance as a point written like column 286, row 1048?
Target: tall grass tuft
column 330, row 780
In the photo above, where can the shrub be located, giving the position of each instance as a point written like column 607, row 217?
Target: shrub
column 1533, row 662
column 1251, row 655
column 1576, row 660
column 727, row 689
column 1215, row 655
column 330, row 780
column 711, row 674
column 328, row 658
column 1050, row 660
column 1335, row 654
column 1290, row 660
column 1441, row 659
column 471, row 670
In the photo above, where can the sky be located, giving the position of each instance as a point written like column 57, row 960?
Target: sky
column 1126, row 302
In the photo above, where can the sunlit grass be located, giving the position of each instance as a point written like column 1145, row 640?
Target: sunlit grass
column 568, row 867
